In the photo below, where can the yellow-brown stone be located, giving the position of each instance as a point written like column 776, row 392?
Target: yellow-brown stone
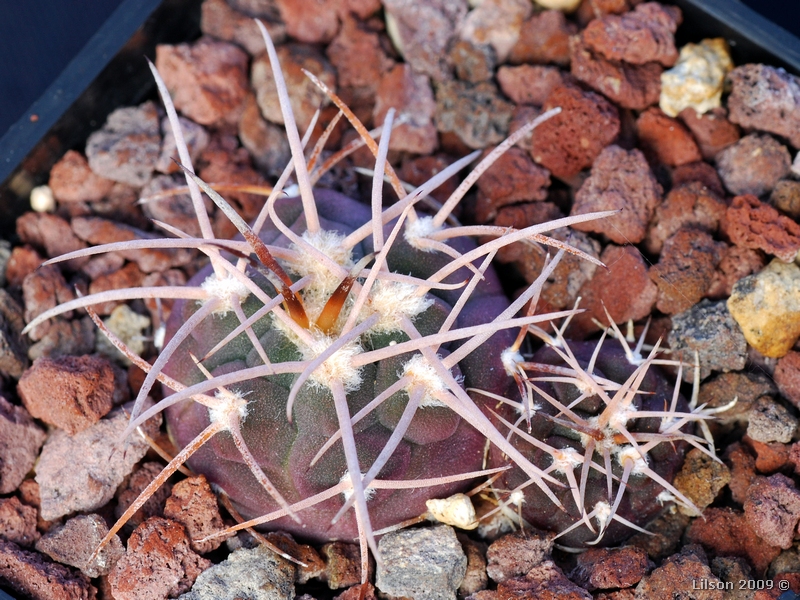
column 767, row 308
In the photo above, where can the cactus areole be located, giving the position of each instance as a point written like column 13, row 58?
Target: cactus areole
column 436, row 443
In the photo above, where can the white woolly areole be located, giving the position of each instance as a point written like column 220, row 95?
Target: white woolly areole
column 369, row 492
column 567, row 459
column 420, row 229
column 423, row 374
column 338, row 366
column 619, row 419
column 517, row 498
column 608, row 437
column 393, row 300
column 602, row 512
column 230, row 402
column 225, row 290
column 511, row 359
column 324, row 281
column 632, row 454
column 526, row 410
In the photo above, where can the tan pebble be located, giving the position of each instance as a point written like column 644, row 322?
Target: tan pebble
column 563, row 5
column 767, row 308
column 697, row 78
column 457, row 510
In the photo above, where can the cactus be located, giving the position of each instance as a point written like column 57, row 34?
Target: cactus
column 356, row 361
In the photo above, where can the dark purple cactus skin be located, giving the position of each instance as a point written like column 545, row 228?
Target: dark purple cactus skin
column 438, row 442
column 639, row 504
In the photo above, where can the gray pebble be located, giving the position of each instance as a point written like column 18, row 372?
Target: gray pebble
column 709, row 329
column 128, row 146
column 424, row 564
column 770, row 422
column 254, row 574
column 67, row 484
column 75, row 542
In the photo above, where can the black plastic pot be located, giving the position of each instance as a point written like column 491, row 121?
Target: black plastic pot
column 109, row 72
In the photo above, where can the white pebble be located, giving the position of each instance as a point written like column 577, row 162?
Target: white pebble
column 42, row 199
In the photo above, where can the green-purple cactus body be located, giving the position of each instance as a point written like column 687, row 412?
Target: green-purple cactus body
column 437, row 443
column 640, row 501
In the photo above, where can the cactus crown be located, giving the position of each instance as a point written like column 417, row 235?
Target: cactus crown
column 384, row 314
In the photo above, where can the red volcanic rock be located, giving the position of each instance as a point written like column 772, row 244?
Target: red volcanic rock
column 743, row 471
column 570, row 141
column 207, row 79
column 157, row 564
column 72, row 180
column 133, row 486
column 692, row 204
column 69, row 392
column 102, row 231
column 516, row 554
column 623, row 289
column 419, row 170
column 24, row 260
column 30, row 574
column 265, row 141
column 644, row 35
column 604, row 568
column 772, row 509
column 360, row 62
column 701, row 172
column 679, row 573
column 20, row 440
column 528, row 84
column 712, row 130
column 75, row 542
column 194, row 505
column 513, row 178
column 600, row 8
column 53, row 234
column 630, row 86
column 225, row 161
column 221, row 21
column 321, row 23
column 17, row 522
column 544, row 582
column 753, row 165
column 620, row 179
column 767, row 99
column 472, row 63
column 128, row 276
column 304, row 96
column 752, row 224
column 770, row 457
column 544, row 38
column 726, row 532
column 787, row 377
column 195, row 136
column 736, row 262
column 411, row 95
column 562, row 287
column 42, row 290
column 685, row 270
column 666, row 139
